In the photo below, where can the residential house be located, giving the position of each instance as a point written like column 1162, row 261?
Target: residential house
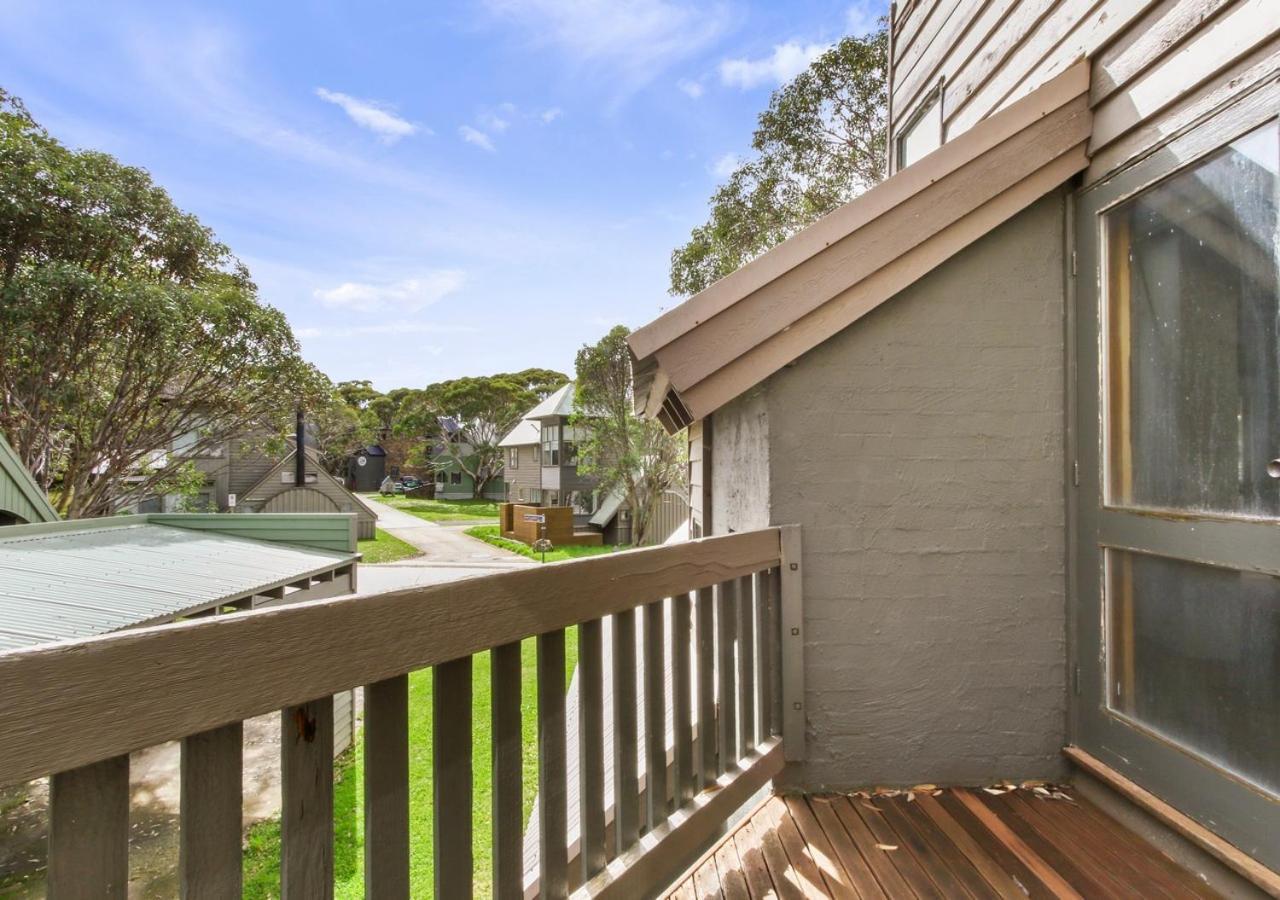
column 453, row 482
column 522, row 463
column 986, row 469
column 1023, row 399
column 367, row 468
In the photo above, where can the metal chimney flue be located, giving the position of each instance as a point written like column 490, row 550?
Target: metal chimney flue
column 300, row 454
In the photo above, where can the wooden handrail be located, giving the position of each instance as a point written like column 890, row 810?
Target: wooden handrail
column 67, row 705
column 688, row 615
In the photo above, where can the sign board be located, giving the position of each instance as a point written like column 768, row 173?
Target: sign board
column 231, row 501
column 531, row 517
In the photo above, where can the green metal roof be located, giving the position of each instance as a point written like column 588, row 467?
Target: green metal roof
column 77, row 579
column 19, row 493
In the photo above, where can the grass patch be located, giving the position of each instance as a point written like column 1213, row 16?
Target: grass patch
column 385, row 548
column 489, row 534
column 262, row 843
column 441, row 510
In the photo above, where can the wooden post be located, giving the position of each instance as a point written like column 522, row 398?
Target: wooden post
column 682, row 698
column 655, row 721
column 591, row 747
column 792, row 613
column 451, row 777
column 707, row 727
column 89, row 832
column 508, row 777
column 306, row 816
column 726, row 695
column 626, row 792
column 386, row 788
column 553, row 815
column 211, row 807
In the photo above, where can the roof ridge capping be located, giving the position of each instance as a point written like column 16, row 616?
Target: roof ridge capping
column 695, row 357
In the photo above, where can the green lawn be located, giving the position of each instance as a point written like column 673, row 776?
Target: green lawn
column 489, row 534
column 262, row 843
column 442, row 510
column 385, row 548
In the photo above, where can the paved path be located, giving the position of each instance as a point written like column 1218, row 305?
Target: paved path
column 447, row 553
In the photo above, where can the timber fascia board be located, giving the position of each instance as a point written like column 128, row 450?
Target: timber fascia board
column 711, row 333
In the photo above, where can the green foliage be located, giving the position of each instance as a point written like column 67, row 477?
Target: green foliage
column 126, row 325
column 820, row 143
column 385, row 548
column 262, row 845
column 490, row 535
column 628, row 455
column 442, row 510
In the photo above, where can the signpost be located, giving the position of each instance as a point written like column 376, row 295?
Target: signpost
column 538, row 517
column 541, row 544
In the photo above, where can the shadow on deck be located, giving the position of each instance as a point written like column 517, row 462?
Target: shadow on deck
column 1036, row 842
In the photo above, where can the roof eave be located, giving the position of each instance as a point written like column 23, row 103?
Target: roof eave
column 746, row 326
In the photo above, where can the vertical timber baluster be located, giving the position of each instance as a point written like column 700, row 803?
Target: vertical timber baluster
column 306, row 816
column 746, row 666
column 707, row 726
column 451, row 777
column 508, row 775
column 553, row 815
column 89, row 831
column 211, row 806
column 766, row 643
column 386, row 788
column 591, row 747
column 682, row 699
column 726, row 696
column 626, row 792
column 655, row 718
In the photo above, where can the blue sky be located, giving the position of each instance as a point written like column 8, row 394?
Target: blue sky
column 428, row 189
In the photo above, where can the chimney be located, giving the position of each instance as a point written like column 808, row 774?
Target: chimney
column 300, row 454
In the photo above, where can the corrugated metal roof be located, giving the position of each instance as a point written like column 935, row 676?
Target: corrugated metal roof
column 558, row 404
column 527, row 432
column 73, row 584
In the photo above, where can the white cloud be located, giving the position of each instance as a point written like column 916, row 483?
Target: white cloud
column 861, row 21
column 477, row 137
column 725, row 165
column 786, row 62
column 369, row 115
column 637, row 40
column 550, row 115
column 692, row 88
column 492, row 122
column 407, row 295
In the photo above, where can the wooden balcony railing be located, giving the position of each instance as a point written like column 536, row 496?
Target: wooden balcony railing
column 77, row 710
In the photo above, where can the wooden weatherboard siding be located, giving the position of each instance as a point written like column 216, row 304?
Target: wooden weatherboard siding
column 19, row 494
column 1156, row 64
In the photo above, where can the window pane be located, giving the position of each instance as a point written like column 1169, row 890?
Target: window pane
column 1194, row 655
column 1194, row 356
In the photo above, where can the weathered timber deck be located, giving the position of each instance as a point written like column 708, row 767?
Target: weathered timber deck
column 958, row 843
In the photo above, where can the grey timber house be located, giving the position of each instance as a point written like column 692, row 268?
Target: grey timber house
column 1023, row 399
column 987, row 597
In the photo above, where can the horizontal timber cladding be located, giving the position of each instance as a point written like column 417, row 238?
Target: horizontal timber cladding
column 70, row 704
column 922, row 453
column 753, row 322
column 1156, row 64
column 331, row 531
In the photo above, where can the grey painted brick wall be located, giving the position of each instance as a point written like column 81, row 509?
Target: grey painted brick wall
column 921, row 450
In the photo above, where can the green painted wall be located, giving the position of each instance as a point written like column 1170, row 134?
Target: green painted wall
column 19, row 494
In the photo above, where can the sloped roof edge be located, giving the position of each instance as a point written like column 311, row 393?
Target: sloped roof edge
column 269, row 479
column 743, row 328
column 26, row 485
column 526, row 432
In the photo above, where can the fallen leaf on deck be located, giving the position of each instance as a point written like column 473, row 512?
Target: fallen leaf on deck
column 886, row 846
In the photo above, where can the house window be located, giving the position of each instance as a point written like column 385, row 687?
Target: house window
column 455, row 478
column 441, row 477
column 582, row 502
column 551, row 445
column 922, row 134
column 537, row 453
column 513, row 458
